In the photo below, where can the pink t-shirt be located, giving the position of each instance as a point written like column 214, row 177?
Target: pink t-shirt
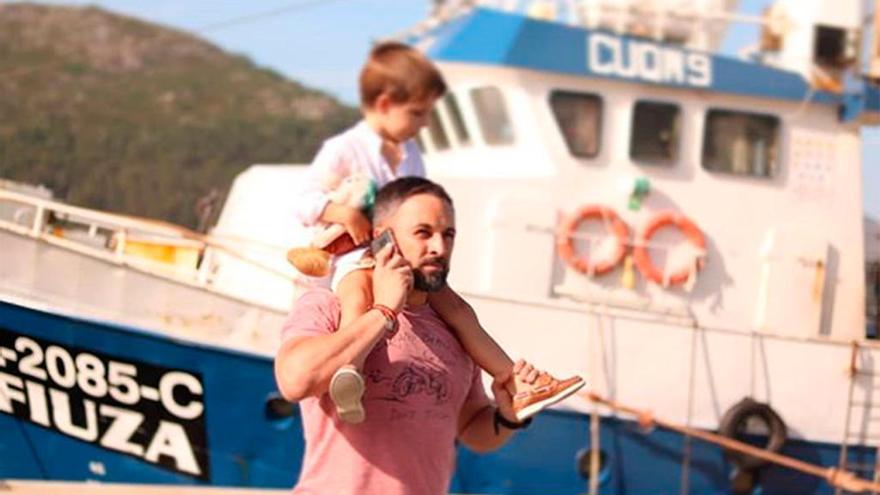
column 417, row 381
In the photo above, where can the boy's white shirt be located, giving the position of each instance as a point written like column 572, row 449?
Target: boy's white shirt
column 356, row 150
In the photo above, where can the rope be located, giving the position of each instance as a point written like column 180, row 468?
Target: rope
column 599, row 351
column 686, row 458
column 836, row 477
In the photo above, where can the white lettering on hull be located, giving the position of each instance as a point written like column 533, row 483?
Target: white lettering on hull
column 609, row 55
column 98, row 399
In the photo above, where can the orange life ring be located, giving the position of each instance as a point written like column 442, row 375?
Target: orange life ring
column 566, row 235
column 643, row 260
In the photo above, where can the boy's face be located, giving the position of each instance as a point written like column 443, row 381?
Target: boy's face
column 402, row 121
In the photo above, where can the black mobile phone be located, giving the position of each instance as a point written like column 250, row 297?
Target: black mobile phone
column 381, row 241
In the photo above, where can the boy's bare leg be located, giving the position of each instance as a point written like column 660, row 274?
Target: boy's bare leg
column 529, row 397
column 355, row 293
column 482, row 348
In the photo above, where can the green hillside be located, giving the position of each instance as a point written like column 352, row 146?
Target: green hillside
column 119, row 114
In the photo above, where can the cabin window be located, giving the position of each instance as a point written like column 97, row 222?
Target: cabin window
column 741, row 143
column 579, row 116
column 438, row 134
column 655, row 133
column 492, row 115
column 450, row 104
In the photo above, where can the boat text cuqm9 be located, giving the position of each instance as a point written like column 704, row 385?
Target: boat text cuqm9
column 683, row 229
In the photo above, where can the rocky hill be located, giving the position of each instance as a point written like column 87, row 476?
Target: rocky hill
column 115, row 113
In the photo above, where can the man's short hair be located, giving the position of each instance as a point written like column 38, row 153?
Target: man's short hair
column 393, row 194
column 401, row 72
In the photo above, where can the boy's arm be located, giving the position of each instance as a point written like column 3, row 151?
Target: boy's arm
column 356, row 224
column 313, row 198
column 329, row 166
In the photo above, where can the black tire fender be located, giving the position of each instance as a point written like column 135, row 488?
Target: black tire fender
column 734, row 421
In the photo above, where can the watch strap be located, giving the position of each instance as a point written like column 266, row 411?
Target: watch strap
column 499, row 420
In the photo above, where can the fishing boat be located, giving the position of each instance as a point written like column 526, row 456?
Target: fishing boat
column 682, row 228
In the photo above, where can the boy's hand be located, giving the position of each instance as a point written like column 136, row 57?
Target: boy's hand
column 357, row 226
column 392, row 278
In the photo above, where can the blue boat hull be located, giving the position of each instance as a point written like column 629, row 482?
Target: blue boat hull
column 219, row 426
column 239, row 442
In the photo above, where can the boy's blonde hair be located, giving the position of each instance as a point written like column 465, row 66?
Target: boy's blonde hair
column 401, row 72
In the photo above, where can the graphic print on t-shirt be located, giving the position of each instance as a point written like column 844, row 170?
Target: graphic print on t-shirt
column 408, row 374
column 420, row 378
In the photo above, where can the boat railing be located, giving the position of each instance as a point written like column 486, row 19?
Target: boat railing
column 785, row 42
column 843, row 477
column 643, row 19
column 154, row 246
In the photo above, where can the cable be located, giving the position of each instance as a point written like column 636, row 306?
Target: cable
column 231, row 22
column 235, row 21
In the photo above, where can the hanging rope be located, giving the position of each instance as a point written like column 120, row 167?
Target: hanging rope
column 684, row 487
column 838, row 478
column 594, row 451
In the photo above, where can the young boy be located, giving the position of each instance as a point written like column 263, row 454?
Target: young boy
column 398, row 87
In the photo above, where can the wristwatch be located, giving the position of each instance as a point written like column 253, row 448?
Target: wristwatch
column 390, row 317
column 499, row 420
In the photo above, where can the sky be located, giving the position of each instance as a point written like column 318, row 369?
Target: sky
column 322, row 43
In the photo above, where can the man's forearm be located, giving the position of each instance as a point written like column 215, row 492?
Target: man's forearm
column 305, row 365
column 479, row 434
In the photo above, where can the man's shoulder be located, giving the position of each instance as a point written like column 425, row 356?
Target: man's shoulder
column 316, row 297
column 315, row 312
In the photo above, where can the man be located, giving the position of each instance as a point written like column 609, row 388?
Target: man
column 423, row 392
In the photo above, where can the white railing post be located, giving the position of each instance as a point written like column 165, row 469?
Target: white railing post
column 120, row 244
column 203, row 274
column 39, row 221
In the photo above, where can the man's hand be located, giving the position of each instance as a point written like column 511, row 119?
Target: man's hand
column 392, row 278
column 522, row 372
column 357, row 225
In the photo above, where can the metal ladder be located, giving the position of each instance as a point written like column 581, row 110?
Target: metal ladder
column 864, row 432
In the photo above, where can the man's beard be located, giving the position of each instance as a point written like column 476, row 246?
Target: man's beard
column 432, row 282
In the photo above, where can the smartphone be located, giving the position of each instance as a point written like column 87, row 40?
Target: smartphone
column 381, row 241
